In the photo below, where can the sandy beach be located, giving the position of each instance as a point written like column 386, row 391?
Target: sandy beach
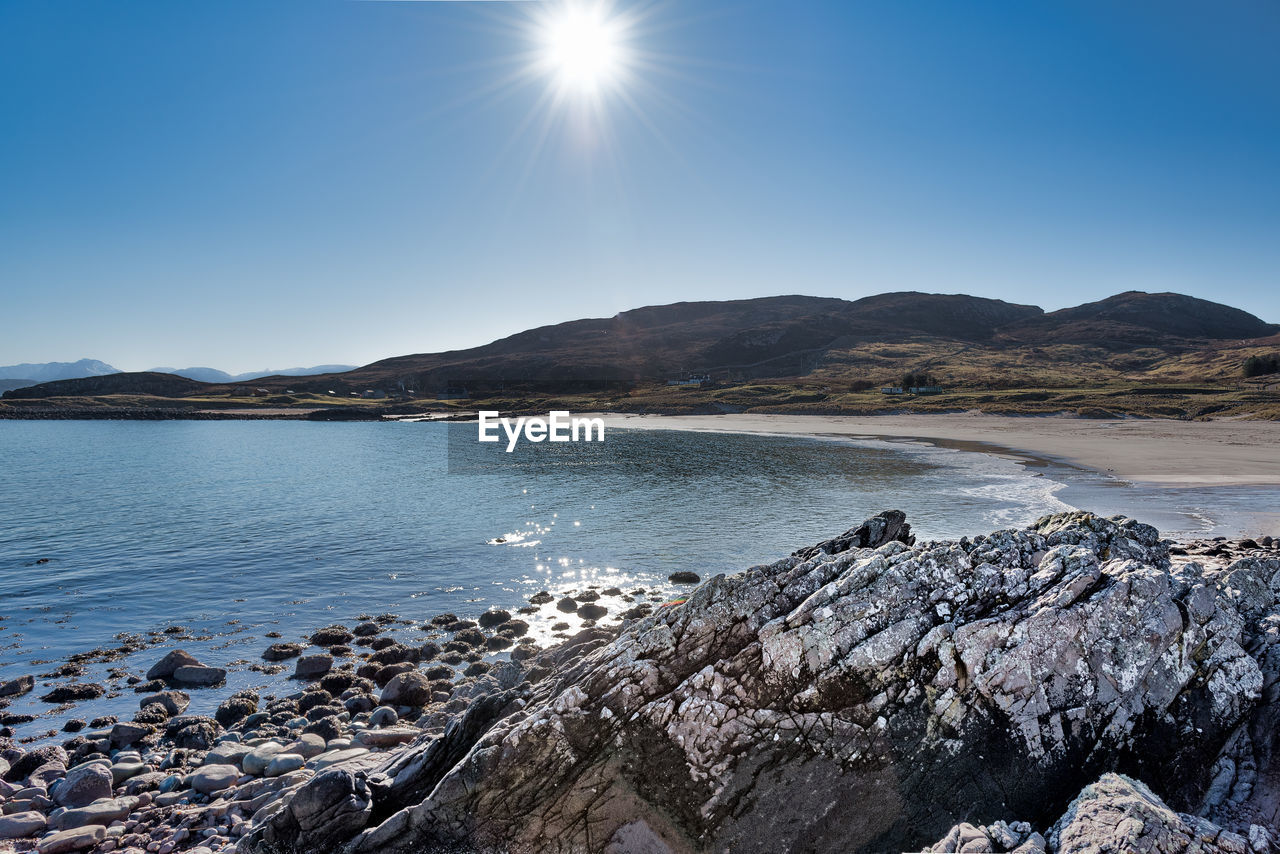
column 1192, row 453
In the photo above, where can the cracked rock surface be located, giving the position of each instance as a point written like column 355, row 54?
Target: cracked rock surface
column 865, row 694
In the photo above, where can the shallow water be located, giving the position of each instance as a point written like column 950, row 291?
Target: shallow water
column 233, row 529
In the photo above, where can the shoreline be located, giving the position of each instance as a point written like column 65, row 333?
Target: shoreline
column 1206, row 453
column 1222, row 478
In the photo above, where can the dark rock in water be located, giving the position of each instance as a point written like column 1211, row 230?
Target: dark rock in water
column 312, row 666
column 567, row 605
column 461, row 625
column 469, row 637
column 73, row 725
column 151, row 686
column 312, row 698
column 367, row 629
column 514, row 629
column 74, row 692
column 587, row 596
column 237, row 707
column 868, row 695
column 542, row 597
column 175, row 658
column 495, row 617
column 382, row 643
column 20, row 685
column 592, row 612
column 282, row 651
column 152, row 715
column 391, row 671
column 332, row 636
column 173, row 702
column 428, row 651
column 684, row 577
column 338, row 681
column 125, row 734
column 476, row 668
column 394, row 654
column 199, row 674
column 497, row 642
column 440, row 671
column 193, row 732
column 444, row 619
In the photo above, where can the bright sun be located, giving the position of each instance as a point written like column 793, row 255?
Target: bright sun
column 582, row 48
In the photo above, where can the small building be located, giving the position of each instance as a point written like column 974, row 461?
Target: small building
column 893, row 389
column 694, row 381
column 261, row 392
column 374, row 394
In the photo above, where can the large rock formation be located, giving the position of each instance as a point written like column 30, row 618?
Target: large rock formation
column 865, row 694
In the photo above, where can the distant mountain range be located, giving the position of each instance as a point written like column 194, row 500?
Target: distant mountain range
column 959, row 340
column 27, row 374
column 43, row 372
column 213, row 375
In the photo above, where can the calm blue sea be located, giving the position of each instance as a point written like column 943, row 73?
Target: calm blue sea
column 232, row 529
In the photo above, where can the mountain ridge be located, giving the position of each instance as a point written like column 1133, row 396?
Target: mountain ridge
column 957, row 339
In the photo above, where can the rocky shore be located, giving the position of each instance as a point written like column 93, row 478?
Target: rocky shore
column 1078, row 685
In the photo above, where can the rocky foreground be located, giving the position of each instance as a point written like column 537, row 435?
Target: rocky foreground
column 1079, row 685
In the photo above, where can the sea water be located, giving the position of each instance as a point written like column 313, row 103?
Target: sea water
column 232, row 529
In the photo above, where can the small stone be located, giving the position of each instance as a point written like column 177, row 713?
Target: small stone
column 567, row 605
column 213, row 778
column 83, row 785
column 387, row 737
column 22, row 824
column 76, row 839
column 383, row 716
column 367, row 629
column 283, row 763
column 684, row 577
column 256, row 761
column 542, row 597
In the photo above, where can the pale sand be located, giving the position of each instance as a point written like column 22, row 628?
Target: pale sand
column 1216, row 453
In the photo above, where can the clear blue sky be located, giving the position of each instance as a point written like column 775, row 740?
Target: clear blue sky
column 268, row 184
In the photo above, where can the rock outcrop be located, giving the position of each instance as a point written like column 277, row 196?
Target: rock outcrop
column 864, row 694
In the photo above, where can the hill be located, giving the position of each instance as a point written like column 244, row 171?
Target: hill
column 213, row 375
column 43, row 372
column 799, row 351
